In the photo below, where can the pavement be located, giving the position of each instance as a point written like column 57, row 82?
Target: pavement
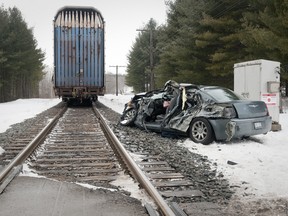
column 40, row 196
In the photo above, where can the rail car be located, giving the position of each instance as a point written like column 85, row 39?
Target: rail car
column 79, row 54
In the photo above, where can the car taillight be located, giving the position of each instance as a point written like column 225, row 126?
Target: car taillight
column 229, row 112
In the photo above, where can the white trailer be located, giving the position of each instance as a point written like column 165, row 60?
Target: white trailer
column 260, row 80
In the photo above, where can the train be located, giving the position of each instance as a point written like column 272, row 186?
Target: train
column 79, row 62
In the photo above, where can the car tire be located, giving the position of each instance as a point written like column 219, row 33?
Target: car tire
column 128, row 117
column 200, row 131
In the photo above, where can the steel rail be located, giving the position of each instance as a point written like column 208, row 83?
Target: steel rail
column 27, row 151
column 133, row 167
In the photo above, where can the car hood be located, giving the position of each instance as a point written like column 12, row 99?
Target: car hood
column 250, row 109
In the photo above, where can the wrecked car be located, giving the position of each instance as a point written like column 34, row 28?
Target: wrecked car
column 204, row 113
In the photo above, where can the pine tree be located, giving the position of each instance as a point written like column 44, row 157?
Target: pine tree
column 22, row 63
column 202, row 40
column 179, row 60
column 139, row 59
column 266, row 30
column 219, row 38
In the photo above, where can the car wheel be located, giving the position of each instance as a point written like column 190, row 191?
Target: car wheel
column 200, row 131
column 128, row 117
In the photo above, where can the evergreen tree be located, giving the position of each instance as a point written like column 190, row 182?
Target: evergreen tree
column 179, row 59
column 202, row 40
column 219, row 37
column 140, row 67
column 136, row 68
column 265, row 35
column 3, row 59
column 22, row 63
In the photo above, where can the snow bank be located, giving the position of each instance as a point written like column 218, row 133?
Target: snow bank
column 17, row 111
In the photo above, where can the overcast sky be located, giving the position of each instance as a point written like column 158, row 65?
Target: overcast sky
column 122, row 18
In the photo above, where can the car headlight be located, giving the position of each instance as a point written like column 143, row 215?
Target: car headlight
column 229, row 112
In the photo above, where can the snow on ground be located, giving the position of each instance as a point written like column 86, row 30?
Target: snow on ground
column 17, row 111
column 29, row 108
column 261, row 167
column 262, row 162
column 115, row 102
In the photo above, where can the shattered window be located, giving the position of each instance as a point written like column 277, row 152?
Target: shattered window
column 222, row 94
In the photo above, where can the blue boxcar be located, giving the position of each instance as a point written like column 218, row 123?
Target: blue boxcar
column 79, row 53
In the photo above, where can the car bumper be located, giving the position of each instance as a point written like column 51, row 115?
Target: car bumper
column 227, row 129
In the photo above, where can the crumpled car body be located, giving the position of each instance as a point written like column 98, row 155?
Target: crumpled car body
column 204, row 113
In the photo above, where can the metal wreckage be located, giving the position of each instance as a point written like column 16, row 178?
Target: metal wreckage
column 204, row 113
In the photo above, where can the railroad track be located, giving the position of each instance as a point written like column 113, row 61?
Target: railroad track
column 176, row 189
column 78, row 150
column 19, row 141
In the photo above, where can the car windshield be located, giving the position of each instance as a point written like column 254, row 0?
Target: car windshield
column 222, row 94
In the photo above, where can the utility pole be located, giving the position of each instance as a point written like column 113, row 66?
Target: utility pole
column 117, row 66
column 152, row 77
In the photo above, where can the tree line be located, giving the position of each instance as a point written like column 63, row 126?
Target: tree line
column 202, row 40
column 21, row 62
